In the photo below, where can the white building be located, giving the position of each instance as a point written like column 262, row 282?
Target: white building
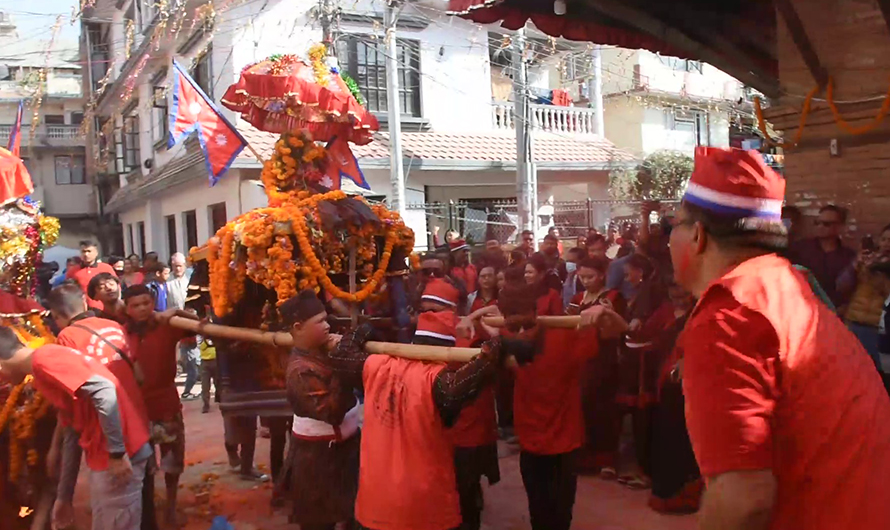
column 654, row 102
column 52, row 148
column 457, row 143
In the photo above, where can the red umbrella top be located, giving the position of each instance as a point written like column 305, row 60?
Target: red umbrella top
column 284, row 92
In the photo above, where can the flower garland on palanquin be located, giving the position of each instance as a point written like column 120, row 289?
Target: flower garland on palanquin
column 258, row 244
column 24, row 406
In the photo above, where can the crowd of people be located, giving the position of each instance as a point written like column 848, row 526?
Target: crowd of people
column 708, row 349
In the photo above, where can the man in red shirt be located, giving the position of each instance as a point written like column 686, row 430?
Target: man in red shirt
column 113, row 433
column 461, row 268
column 153, row 343
column 90, row 267
column 407, row 477
column 786, row 413
column 105, row 341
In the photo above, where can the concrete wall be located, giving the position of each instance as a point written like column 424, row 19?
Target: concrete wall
column 176, row 201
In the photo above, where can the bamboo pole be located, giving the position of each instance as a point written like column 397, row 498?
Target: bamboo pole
column 405, row 351
column 567, row 321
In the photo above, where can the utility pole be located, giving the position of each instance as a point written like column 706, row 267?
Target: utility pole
column 328, row 13
column 596, row 90
column 526, row 190
column 397, row 170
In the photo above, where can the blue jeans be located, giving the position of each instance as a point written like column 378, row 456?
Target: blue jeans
column 868, row 336
column 191, row 357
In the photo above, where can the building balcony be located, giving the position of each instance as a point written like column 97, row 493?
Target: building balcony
column 47, row 136
column 548, row 118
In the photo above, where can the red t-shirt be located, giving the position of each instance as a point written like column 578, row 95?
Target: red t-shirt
column 58, row 373
column 547, row 399
column 407, row 478
column 550, row 304
column 477, row 424
column 85, row 274
column 92, row 346
column 467, row 275
column 774, row 380
column 156, row 352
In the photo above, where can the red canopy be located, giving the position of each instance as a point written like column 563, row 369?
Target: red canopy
column 739, row 37
column 282, row 93
column 15, row 181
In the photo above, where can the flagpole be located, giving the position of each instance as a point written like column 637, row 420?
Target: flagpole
column 254, row 153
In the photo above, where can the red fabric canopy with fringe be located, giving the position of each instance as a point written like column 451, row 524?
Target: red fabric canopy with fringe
column 283, row 93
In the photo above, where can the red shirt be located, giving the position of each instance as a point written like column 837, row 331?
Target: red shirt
column 155, row 350
column 547, row 399
column 550, row 304
column 92, row 346
column 467, row 275
column 477, row 424
column 774, row 380
column 58, row 373
column 407, row 478
column 85, row 274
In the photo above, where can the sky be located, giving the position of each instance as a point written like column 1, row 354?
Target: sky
column 34, row 20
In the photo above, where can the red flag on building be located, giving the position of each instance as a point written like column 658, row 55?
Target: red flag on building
column 342, row 163
column 14, row 144
column 194, row 111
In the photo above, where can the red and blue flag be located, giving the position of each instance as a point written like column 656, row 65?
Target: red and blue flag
column 192, row 112
column 342, row 163
column 14, row 144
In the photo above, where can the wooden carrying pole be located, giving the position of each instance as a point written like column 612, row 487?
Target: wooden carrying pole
column 405, row 351
column 567, row 321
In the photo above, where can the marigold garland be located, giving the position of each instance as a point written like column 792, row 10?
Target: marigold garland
column 317, row 54
column 22, row 421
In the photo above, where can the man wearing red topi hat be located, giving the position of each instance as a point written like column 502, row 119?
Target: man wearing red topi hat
column 461, row 268
column 786, row 413
column 407, row 478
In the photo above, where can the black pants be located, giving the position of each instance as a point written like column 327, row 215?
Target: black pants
column 149, row 518
column 550, row 483
column 469, row 488
column 279, row 427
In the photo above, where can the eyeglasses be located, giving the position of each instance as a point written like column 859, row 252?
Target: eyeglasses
column 826, row 224
column 437, row 273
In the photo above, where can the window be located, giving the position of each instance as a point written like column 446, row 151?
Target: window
column 681, row 65
column 97, row 37
column 76, row 118
column 217, row 216
column 130, row 241
column 159, row 114
column 171, row 234
column 54, row 119
column 692, row 123
column 140, row 228
column 364, row 59
column 69, row 170
column 202, row 72
column 578, row 66
column 130, row 139
column 190, row 220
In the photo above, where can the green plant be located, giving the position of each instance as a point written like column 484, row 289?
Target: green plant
column 661, row 176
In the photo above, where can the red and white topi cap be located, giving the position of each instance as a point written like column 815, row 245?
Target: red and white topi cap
column 458, row 244
column 441, row 325
column 442, row 292
column 735, row 183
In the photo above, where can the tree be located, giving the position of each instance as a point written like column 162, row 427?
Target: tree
column 661, row 176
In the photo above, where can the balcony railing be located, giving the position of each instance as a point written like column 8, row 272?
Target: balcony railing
column 550, row 118
column 61, row 135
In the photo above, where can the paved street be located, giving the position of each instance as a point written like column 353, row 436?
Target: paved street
column 209, row 488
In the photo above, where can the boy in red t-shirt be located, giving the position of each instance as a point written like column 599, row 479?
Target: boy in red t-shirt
column 154, row 345
column 547, row 400
column 113, row 432
column 105, row 341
